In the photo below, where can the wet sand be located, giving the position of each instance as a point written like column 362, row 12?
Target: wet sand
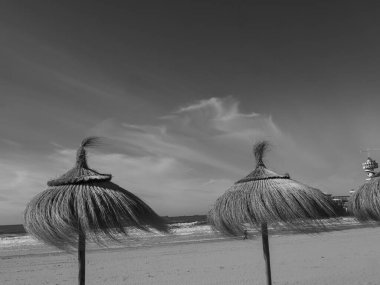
column 341, row 257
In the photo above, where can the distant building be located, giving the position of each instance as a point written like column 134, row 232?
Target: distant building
column 341, row 200
column 341, row 203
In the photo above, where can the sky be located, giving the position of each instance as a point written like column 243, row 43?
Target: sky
column 181, row 90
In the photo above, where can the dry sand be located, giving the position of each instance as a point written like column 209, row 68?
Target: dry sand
column 342, row 257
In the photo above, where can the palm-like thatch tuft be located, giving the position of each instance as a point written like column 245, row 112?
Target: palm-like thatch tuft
column 264, row 196
column 83, row 201
column 364, row 203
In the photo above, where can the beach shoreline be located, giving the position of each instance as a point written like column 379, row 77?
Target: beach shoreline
column 339, row 257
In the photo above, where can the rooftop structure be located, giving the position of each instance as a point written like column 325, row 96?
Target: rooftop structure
column 369, row 167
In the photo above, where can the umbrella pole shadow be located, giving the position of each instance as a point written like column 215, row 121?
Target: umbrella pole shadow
column 264, row 235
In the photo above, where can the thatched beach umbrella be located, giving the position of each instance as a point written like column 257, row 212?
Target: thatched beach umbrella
column 84, row 205
column 264, row 197
column 364, row 203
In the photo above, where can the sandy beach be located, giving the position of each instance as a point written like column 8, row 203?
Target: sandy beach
column 341, row 257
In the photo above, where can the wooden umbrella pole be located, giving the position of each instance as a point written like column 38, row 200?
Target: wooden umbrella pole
column 82, row 257
column 264, row 235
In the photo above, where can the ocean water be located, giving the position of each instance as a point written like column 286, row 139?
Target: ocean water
column 14, row 245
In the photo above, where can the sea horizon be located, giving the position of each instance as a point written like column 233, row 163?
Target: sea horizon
column 19, row 228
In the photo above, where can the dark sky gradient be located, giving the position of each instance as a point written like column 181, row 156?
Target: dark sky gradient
column 310, row 69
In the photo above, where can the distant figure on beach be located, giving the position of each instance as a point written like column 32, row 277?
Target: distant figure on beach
column 245, row 234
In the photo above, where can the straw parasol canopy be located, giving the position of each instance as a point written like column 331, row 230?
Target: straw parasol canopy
column 264, row 197
column 364, row 203
column 84, row 205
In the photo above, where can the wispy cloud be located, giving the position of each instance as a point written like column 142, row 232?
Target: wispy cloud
column 189, row 156
column 180, row 164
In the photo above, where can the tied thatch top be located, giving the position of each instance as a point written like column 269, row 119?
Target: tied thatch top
column 83, row 201
column 81, row 172
column 261, row 172
column 264, row 196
